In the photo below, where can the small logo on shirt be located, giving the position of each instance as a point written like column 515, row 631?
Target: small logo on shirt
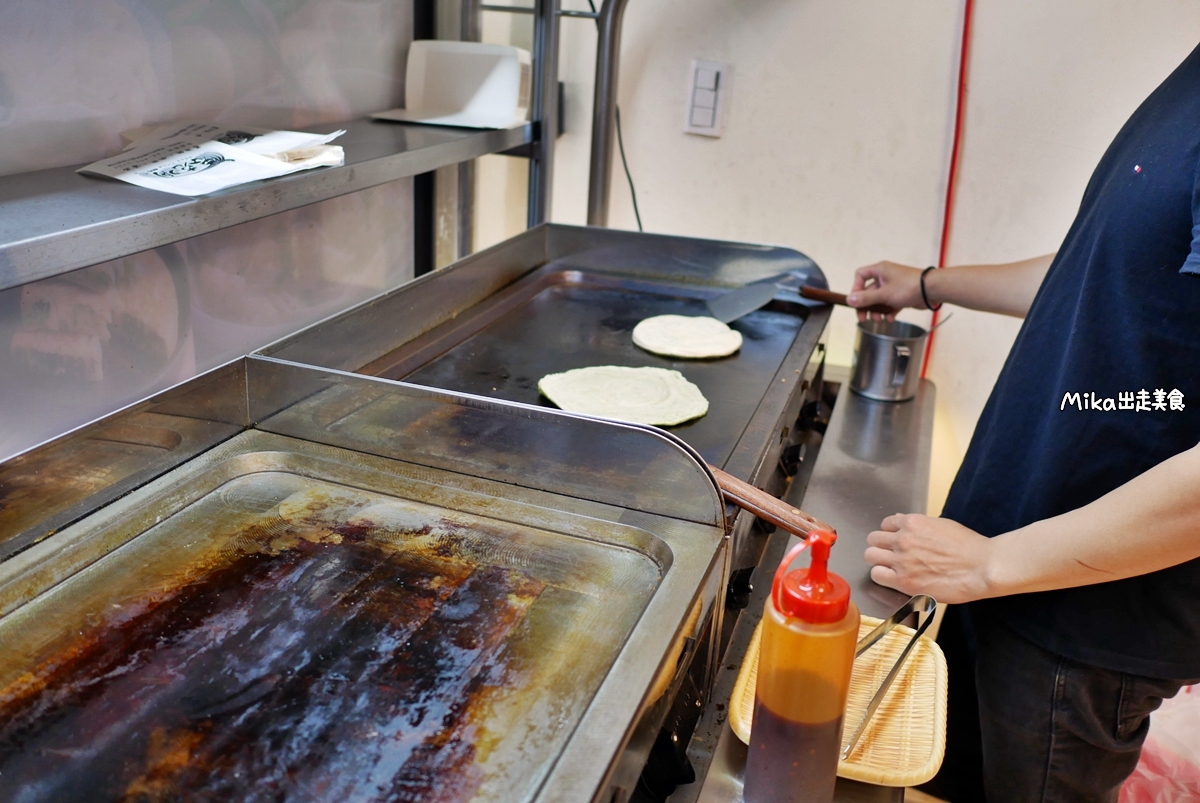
column 1141, row 401
column 1137, row 168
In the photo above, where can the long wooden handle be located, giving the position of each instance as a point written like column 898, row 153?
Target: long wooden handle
column 830, row 297
column 765, row 506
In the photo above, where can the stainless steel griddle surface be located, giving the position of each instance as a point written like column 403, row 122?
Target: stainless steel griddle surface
column 573, row 320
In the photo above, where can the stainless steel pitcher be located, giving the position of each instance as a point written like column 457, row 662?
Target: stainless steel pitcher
column 887, row 360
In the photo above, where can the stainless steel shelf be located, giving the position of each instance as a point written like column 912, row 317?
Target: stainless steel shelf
column 55, row 221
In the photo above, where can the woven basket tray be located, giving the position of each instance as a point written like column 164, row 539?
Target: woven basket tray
column 906, row 740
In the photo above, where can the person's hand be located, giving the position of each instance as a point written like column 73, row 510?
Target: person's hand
column 886, row 283
column 917, row 554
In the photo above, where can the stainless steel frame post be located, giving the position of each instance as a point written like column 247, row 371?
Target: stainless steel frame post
column 604, row 110
column 545, row 109
column 469, row 32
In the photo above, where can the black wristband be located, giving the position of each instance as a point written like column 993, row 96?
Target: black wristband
column 924, row 295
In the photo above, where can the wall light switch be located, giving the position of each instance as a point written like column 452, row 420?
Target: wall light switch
column 708, row 89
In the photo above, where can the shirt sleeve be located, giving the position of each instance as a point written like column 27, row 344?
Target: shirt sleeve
column 1192, row 263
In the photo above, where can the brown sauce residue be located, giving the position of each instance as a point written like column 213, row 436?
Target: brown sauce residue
column 323, row 669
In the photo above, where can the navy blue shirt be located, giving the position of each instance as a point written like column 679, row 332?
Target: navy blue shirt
column 1102, row 384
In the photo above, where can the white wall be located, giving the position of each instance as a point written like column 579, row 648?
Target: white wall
column 838, row 135
column 577, row 70
column 502, row 182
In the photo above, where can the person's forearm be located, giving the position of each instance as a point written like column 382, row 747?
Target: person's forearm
column 1149, row 523
column 1007, row 289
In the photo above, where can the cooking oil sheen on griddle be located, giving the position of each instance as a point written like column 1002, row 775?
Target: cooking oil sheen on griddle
column 332, row 644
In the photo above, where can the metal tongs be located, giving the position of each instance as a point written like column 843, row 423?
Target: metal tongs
column 797, row 522
column 922, row 604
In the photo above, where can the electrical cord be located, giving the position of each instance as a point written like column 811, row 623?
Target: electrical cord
column 621, row 146
column 628, row 177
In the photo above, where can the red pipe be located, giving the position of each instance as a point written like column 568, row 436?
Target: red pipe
column 952, row 182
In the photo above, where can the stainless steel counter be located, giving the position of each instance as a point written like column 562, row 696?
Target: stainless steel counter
column 873, row 462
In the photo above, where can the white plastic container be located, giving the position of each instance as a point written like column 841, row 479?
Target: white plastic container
column 469, row 84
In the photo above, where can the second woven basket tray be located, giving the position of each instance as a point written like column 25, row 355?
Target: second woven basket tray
column 905, row 741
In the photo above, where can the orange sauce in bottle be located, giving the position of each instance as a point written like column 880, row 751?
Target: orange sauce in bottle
column 810, row 629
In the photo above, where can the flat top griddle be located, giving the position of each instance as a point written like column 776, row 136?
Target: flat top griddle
column 569, row 319
column 307, row 624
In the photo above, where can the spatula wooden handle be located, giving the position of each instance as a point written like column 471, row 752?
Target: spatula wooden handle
column 830, row 297
column 765, row 506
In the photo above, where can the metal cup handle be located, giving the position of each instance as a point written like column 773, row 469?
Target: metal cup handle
column 903, row 355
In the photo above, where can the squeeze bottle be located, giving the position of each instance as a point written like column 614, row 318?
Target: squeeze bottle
column 809, row 633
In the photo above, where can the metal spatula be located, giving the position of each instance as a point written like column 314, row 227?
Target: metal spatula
column 736, row 303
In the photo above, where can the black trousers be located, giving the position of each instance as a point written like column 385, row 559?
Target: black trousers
column 1029, row 726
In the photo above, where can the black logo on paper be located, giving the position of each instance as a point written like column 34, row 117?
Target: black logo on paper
column 236, row 137
column 194, row 164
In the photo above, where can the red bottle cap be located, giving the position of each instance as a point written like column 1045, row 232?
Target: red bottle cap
column 815, row 594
